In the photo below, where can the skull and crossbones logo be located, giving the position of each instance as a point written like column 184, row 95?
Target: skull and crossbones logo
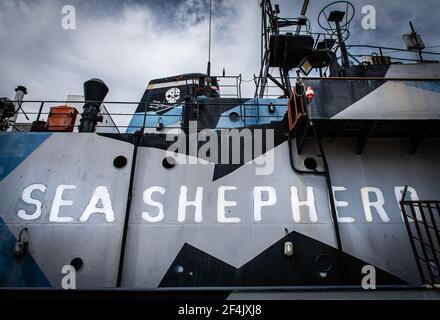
column 172, row 95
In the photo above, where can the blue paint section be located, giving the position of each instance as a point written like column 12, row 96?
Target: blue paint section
column 433, row 86
column 257, row 113
column 17, row 272
column 263, row 116
column 16, row 147
column 23, row 271
column 168, row 118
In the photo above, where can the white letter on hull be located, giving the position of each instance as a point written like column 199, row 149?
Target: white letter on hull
column 183, row 203
column 259, row 203
column 296, row 204
column 58, row 202
column 222, row 203
column 147, row 199
column 101, row 194
column 340, row 204
column 26, row 197
column 378, row 205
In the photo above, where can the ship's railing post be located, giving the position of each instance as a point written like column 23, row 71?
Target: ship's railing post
column 146, row 105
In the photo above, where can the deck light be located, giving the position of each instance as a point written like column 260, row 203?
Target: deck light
column 20, row 245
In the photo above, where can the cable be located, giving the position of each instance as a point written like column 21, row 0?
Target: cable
column 332, row 201
column 292, row 161
column 325, row 173
column 21, row 234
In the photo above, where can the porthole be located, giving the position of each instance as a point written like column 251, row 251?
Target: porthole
column 310, row 164
column 234, row 116
column 324, row 263
column 169, row 162
column 77, row 263
column 120, row 162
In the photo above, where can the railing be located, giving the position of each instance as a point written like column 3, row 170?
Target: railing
column 121, row 121
column 230, row 86
column 422, row 220
column 386, row 51
column 36, row 110
column 274, row 91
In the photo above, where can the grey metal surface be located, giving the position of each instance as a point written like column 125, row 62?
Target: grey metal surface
column 151, row 247
column 385, row 164
column 412, row 100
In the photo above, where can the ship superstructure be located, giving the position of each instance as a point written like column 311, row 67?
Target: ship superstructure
column 316, row 180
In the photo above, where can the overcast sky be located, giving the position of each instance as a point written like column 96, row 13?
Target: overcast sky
column 128, row 43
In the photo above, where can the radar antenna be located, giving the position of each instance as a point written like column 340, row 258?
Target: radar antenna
column 335, row 19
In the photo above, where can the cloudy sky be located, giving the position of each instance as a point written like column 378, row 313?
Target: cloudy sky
column 128, row 43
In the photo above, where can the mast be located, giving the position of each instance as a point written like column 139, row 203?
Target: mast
column 209, row 41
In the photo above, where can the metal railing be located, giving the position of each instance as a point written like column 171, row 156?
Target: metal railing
column 422, row 219
column 368, row 50
column 230, row 86
column 35, row 112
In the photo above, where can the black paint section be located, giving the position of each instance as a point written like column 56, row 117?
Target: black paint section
column 280, row 135
column 332, row 97
column 159, row 141
column 195, row 268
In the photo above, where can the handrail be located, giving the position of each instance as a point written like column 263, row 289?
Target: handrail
column 34, row 108
column 118, row 118
column 389, row 48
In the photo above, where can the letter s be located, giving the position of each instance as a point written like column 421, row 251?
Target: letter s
column 26, row 197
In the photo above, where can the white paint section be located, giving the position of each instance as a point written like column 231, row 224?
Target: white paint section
column 26, row 197
column 222, row 204
column 259, row 202
column 101, row 195
column 394, row 100
column 59, row 202
column 168, row 84
column 414, row 71
column 296, row 204
column 184, row 203
column 341, row 204
column 378, row 204
column 147, row 197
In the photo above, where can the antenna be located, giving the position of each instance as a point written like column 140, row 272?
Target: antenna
column 209, row 42
column 414, row 42
column 338, row 16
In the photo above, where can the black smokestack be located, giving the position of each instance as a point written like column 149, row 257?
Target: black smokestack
column 95, row 91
